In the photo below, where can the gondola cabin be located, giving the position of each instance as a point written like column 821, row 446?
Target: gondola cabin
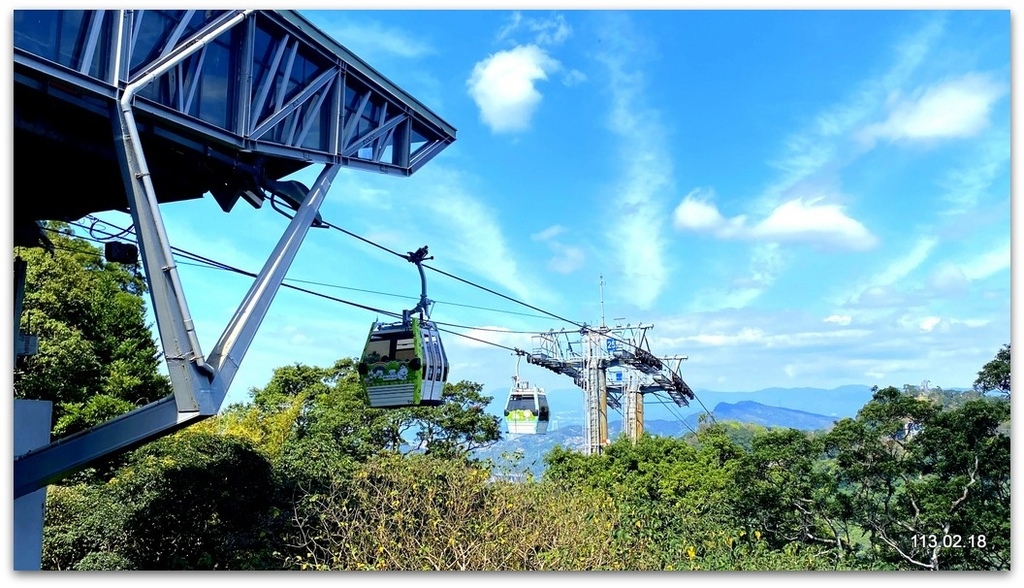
column 527, row 411
column 403, row 364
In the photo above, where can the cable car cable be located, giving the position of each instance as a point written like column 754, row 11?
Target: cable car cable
column 223, row 266
column 408, row 257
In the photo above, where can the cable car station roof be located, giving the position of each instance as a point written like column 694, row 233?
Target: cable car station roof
column 270, row 95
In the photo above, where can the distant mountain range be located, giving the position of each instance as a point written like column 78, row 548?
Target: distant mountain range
column 806, row 409
column 567, row 404
column 748, row 412
column 837, row 402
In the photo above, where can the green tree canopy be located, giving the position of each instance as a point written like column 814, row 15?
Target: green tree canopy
column 97, row 357
column 995, row 375
column 930, row 487
column 191, row 500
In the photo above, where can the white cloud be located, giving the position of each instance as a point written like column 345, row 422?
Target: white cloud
column 988, row 263
column 504, row 86
column 953, row 109
column 743, row 336
column 696, row 213
column 928, row 323
column 757, row 336
column 798, row 220
column 838, row 319
column 825, row 224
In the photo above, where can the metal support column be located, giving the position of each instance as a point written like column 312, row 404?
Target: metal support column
column 638, row 416
column 596, row 393
column 227, row 354
column 634, row 409
column 48, row 464
column 602, row 404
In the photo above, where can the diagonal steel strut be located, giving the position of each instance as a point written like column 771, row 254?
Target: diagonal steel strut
column 199, row 386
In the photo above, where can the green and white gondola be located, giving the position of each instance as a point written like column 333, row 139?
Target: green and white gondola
column 527, row 411
column 403, row 364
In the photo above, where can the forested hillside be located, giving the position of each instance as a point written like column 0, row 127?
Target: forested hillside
column 306, row 476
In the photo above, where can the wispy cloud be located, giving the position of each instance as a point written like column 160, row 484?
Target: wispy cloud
column 566, row 258
column 843, row 350
column 637, row 216
column 757, row 337
column 988, row 263
column 552, row 30
column 765, row 266
column 504, row 86
column 948, row 278
column 904, row 264
column 473, row 234
column 373, row 41
column 825, row 144
column 952, row 109
column 808, row 221
column 885, row 287
column 970, row 184
column 548, row 233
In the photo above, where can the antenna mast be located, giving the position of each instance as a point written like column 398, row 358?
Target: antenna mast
column 602, row 301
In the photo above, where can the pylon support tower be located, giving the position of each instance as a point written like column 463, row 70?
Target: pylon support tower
column 587, row 354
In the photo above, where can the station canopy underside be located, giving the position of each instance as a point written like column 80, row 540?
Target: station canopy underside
column 267, row 94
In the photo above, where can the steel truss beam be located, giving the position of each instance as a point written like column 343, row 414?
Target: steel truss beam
column 312, row 100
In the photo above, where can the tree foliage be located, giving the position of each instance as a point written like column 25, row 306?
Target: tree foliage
column 307, row 476
column 929, row 487
column 97, row 357
column 423, row 512
column 184, row 502
column 995, row 375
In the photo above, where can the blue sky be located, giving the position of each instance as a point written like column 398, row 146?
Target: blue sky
column 790, row 198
